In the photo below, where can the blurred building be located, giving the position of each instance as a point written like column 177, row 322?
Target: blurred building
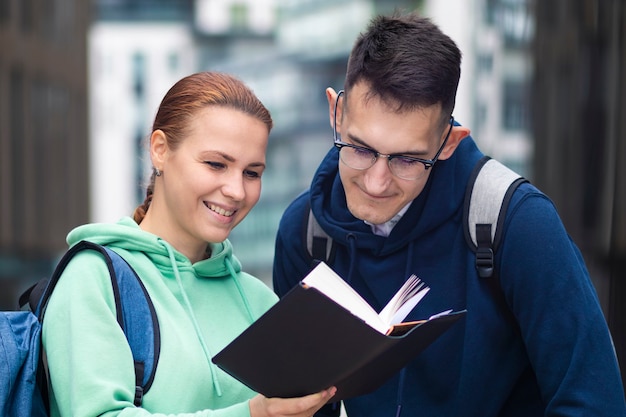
column 312, row 42
column 288, row 53
column 495, row 38
column 137, row 50
column 43, row 135
column 579, row 112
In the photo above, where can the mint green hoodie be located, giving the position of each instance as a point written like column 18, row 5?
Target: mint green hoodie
column 201, row 307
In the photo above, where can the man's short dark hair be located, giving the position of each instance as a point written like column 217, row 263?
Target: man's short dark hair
column 407, row 61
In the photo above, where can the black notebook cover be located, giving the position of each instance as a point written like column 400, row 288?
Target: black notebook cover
column 306, row 343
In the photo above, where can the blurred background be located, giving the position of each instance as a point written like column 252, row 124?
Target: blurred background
column 542, row 89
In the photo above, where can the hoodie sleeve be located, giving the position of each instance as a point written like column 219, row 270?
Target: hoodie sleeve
column 549, row 290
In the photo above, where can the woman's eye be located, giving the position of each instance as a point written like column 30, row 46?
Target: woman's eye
column 215, row 165
column 252, row 174
column 220, row 166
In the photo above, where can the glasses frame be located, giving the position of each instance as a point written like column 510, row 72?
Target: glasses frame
column 428, row 163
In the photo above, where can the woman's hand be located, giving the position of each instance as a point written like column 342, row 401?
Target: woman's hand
column 261, row 406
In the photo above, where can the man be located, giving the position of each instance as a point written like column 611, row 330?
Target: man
column 390, row 195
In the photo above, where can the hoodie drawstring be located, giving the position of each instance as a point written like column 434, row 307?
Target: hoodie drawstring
column 192, row 316
column 409, row 261
column 408, row 271
column 351, row 239
column 400, row 391
column 246, row 304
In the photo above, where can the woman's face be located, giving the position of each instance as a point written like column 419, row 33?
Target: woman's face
column 211, row 181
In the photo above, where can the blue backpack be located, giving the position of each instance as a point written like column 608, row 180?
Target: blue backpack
column 23, row 375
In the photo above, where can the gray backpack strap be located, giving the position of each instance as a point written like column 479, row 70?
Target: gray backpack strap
column 488, row 194
column 318, row 244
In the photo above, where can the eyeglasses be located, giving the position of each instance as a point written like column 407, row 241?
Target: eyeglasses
column 402, row 166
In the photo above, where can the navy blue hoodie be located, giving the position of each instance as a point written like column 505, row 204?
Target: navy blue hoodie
column 540, row 347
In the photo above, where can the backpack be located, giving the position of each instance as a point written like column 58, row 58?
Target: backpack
column 487, row 196
column 24, row 386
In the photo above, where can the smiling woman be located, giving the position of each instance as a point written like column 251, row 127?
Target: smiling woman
column 207, row 184
column 207, row 147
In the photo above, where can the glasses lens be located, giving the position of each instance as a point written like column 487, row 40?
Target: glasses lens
column 357, row 158
column 406, row 168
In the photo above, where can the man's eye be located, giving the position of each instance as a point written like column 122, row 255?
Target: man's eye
column 406, row 162
column 363, row 152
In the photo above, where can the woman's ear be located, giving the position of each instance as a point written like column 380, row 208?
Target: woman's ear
column 457, row 134
column 158, row 149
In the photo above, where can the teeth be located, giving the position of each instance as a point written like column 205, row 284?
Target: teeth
column 221, row 211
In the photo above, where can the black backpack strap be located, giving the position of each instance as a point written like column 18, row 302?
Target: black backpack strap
column 37, row 296
column 319, row 245
column 134, row 309
column 489, row 191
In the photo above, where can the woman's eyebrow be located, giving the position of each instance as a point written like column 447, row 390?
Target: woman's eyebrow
column 257, row 165
column 213, row 154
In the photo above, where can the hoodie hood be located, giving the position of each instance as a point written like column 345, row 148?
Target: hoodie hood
column 127, row 235
column 438, row 202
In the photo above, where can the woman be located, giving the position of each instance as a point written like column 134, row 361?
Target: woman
column 207, row 148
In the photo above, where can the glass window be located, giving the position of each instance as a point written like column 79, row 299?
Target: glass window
column 515, row 105
column 173, row 62
column 491, row 8
column 239, row 16
column 5, row 11
column 16, row 129
column 139, row 74
column 484, row 63
column 27, row 11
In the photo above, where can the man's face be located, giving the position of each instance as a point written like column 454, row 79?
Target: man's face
column 376, row 194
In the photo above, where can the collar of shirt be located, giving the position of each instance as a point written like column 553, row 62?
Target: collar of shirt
column 384, row 229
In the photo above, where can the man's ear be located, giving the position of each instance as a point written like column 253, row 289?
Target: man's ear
column 158, row 149
column 331, row 96
column 457, row 134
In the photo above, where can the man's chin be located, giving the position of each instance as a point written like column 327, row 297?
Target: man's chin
column 369, row 215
